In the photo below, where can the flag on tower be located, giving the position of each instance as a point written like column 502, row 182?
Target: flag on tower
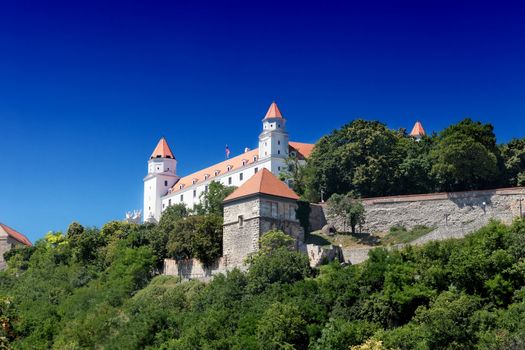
column 227, row 152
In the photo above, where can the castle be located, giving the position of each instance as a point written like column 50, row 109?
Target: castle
column 261, row 201
column 163, row 187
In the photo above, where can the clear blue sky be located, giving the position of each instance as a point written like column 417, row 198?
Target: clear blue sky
column 87, row 88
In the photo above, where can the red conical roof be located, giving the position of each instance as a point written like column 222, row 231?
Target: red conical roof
column 162, row 150
column 273, row 112
column 418, row 130
column 263, row 182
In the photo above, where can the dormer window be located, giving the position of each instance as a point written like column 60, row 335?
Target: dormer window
column 180, row 186
column 244, row 162
column 293, row 154
column 254, row 158
column 216, row 172
column 229, row 168
column 194, row 181
column 206, row 176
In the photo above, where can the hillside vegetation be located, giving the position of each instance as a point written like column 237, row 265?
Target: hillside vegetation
column 98, row 289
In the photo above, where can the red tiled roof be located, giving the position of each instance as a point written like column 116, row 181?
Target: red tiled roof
column 304, row 150
column 216, row 170
column 16, row 235
column 418, row 130
column 162, row 150
column 273, row 112
column 263, row 182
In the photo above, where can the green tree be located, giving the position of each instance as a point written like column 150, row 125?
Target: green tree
column 196, row 237
column 413, row 172
column 465, row 157
column 276, row 262
column 281, row 327
column 211, row 200
column 348, row 208
column 361, row 156
column 295, row 174
column 513, row 154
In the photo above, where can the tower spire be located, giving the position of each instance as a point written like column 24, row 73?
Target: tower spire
column 418, row 130
column 273, row 112
column 162, row 150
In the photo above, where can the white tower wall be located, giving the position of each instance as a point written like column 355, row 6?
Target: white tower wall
column 161, row 176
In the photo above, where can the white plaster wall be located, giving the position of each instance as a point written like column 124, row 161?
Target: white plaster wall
column 248, row 171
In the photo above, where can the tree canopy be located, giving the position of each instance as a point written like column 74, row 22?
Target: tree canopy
column 455, row 294
column 368, row 159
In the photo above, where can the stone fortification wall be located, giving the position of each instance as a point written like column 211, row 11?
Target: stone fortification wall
column 239, row 241
column 193, row 269
column 449, row 211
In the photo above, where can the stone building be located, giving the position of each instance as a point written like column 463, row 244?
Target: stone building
column 261, row 204
column 9, row 239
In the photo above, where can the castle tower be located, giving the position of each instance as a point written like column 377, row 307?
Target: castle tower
column 417, row 131
column 162, row 174
column 273, row 140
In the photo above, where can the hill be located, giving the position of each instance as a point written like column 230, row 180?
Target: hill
column 99, row 289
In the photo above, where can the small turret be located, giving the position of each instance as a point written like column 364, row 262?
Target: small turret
column 417, row 131
column 162, row 175
column 273, row 141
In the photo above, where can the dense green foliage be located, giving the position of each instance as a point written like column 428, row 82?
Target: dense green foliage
column 96, row 289
column 368, row 159
column 180, row 235
column 211, row 200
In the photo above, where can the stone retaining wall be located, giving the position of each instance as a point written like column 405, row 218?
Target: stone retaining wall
column 193, row 269
column 449, row 209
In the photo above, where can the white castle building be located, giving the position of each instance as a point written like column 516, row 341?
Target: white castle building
column 163, row 187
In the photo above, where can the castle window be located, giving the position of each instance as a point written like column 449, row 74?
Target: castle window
column 279, row 168
column 165, row 183
column 206, row 188
column 278, row 142
column 229, row 180
column 169, row 202
column 241, row 220
column 194, row 193
column 278, row 151
column 240, row 177
column 255, row 170
column 265, row 153
column 279, row 125
column 181, row 197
